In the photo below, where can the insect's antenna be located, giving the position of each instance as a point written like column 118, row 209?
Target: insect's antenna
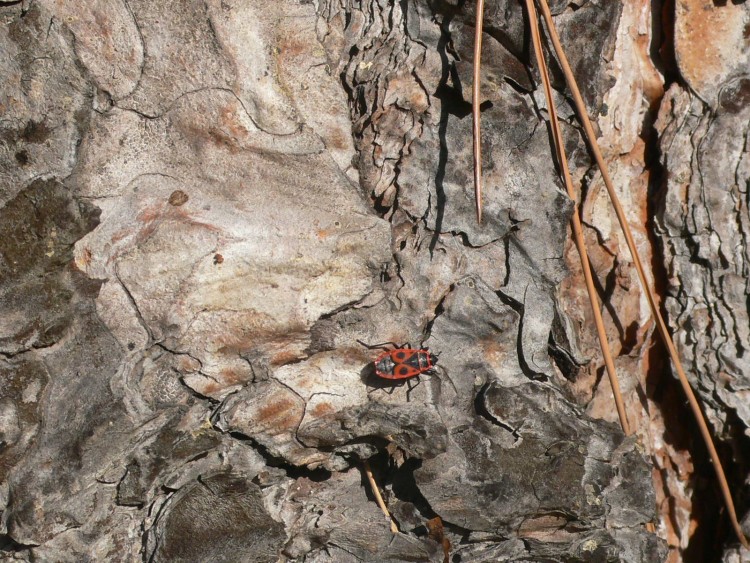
column 448, row 377
column 381, row 345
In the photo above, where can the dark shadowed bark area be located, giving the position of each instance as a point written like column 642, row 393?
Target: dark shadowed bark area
column 213, row 211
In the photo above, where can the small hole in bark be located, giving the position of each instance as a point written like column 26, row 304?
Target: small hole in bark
column 384, row 275
column 36, row 132
column 22, row 157
column 177, row 198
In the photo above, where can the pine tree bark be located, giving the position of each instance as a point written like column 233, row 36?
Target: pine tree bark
column 212, row 212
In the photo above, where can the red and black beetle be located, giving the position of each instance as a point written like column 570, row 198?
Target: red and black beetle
column 403, row 363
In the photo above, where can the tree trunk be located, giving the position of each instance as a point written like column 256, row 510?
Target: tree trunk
column 214, row 213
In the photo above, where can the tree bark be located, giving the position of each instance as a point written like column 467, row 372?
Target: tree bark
column 212, row 213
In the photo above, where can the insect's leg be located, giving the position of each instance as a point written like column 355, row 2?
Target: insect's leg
column 409, row 387
column 387, row 390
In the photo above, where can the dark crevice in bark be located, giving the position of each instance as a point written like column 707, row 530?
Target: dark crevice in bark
column 480, row 408
column 520, row 309
column 448, row 96
column 9, row 545
column 563, row 360
column 291, row 470
column 662, row 47
column 439, row 310
column 714, row 531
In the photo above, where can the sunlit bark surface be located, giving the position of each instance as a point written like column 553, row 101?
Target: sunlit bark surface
column 212, row 211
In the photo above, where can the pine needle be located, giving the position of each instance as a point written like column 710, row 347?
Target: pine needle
column 476, row 119
column 378, row 497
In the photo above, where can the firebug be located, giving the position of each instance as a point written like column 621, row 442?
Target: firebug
column 404, row 363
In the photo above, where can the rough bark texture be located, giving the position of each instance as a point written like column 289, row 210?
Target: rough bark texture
column 703, row 220
column 209, row 210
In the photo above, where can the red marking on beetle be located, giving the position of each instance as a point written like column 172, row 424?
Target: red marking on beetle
column 403, row 363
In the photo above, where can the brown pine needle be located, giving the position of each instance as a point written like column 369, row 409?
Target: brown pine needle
column 378, row 497
column 477, row 134
column 660, row 324
column 576, row 220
